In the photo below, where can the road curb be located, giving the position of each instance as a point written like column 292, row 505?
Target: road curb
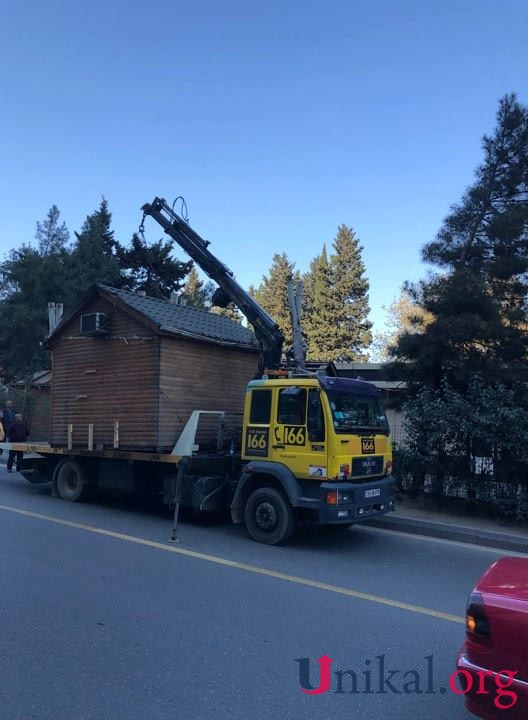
column 460, row 533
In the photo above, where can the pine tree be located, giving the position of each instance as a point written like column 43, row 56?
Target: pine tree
column 195, row 293
column 29, row 279
column 272, row 294
column 320, row 310
column 487, row 231
column 94, row 258
column 351, row 289
column 51, row 237
column 479, row 303
column 150, row 268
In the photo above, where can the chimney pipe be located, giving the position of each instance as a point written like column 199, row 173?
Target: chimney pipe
column 55, row 311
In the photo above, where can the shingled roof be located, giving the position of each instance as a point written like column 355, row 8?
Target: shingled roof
column 180, row 320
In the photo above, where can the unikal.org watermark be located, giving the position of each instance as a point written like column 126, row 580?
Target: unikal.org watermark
column 377, row 678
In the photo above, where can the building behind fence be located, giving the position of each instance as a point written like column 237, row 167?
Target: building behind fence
column 32, row 399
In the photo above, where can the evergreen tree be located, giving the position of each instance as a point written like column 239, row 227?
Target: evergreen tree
column 195, row 292
column 94, row 258
column 320, row 310
column 487, row 231
column 150, row 268
column 272, row 294
column 51, row 237
column 351, row 289
column 479, row 304
column 29, row 279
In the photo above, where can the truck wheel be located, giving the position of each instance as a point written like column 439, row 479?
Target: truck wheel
column 269, row 516
column 71, row 482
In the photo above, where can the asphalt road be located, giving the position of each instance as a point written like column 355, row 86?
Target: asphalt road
column 102, row 618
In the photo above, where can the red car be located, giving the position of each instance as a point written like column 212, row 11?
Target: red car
column 492, row 665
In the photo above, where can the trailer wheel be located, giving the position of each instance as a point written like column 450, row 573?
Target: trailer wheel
column 71, row 482
column 269, row 516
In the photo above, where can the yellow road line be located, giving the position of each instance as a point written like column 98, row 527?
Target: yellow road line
column 243, row 566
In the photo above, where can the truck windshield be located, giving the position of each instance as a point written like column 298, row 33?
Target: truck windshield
column 352, row 412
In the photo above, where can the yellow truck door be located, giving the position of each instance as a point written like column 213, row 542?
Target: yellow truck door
column 256, row 441
column 298, row 434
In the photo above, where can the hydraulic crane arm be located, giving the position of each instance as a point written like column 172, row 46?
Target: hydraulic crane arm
column 267, row 331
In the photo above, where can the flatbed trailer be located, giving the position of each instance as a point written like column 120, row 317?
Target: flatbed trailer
column 76, row 474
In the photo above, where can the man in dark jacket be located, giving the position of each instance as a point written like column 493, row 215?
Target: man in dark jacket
column 17, row 433
column 8, row 415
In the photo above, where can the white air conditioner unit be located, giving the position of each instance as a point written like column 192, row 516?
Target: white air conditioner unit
column 95, row 324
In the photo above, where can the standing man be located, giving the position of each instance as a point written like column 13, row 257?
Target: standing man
column 18, row 433
column 9, row 416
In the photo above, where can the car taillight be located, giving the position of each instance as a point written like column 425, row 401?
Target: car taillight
column 477, row 625
column 331, row 497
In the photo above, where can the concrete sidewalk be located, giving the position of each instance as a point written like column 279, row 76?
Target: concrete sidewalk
column 423, row 517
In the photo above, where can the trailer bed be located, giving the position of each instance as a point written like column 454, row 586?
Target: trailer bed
column 143, row 456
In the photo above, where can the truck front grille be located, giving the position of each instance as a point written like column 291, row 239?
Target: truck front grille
column 367, row 466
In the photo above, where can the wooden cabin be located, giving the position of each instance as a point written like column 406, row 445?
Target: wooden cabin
column 135, row 367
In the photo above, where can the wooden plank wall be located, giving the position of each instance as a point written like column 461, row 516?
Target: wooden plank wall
column 101, row 379
column 201, row 376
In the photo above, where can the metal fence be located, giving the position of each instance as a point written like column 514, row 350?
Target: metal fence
column 478, row 480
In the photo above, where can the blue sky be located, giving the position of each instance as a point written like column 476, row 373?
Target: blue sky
column 276, row 120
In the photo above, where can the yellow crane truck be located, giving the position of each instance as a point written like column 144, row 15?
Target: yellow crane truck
column 315, row 447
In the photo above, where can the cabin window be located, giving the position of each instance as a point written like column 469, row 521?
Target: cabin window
column 96, row 323
column 260, row 412
column 292, row 406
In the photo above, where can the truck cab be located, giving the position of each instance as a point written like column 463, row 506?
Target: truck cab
column 323, row 443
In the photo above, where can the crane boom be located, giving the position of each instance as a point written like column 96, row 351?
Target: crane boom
column 267, row 332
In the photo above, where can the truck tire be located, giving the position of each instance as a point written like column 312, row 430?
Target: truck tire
column 72, row 483
column 269, row 516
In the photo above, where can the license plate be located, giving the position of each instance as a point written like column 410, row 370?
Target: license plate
column 372, row 493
